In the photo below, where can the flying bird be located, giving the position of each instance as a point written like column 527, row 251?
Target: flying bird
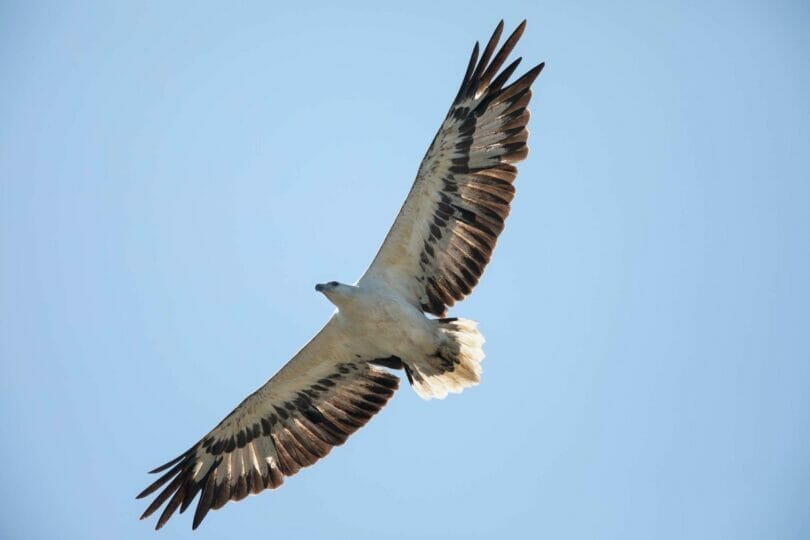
column 434, row 254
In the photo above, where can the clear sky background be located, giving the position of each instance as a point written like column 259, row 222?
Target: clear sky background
column 174, row 181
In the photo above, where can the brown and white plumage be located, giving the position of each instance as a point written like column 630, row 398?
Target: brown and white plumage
column 446, row 230
column 433, row 255
column 319, row 398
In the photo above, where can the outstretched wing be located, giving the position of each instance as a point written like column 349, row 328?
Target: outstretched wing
column 319, row 398
column 445, row 232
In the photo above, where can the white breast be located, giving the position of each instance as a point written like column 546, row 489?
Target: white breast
column 385, row 322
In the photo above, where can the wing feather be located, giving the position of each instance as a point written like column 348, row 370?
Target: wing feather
column 445, row 233
column 324, row 394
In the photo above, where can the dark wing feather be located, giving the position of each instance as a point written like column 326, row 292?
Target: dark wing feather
column 313, row 404
column 446, row 231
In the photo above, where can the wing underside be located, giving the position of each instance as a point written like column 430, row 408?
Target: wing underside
column 313, row 404
column 444, row 235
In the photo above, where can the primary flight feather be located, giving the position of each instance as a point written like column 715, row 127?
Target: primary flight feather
column 434, row 255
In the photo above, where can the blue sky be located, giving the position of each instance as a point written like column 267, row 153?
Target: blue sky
column 174, row 180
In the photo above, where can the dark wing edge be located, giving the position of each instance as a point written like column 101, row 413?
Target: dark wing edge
column 465, row 184
column 476, row 192
column 253, row 450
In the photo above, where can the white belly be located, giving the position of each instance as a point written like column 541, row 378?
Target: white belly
column 387, row 325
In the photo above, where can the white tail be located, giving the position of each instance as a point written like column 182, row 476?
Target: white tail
column 454, row 366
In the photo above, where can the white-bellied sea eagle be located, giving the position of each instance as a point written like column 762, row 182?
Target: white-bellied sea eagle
column 433, row 256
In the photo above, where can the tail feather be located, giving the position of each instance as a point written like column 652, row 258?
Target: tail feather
column 454, row 366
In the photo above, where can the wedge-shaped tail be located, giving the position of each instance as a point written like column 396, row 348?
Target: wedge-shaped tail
column 454, row 366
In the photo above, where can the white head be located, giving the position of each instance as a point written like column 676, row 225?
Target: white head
column 339, row 294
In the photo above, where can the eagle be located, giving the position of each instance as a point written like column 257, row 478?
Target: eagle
column 393, row 319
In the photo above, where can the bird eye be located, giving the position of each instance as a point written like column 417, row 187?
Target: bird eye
column 333, row 283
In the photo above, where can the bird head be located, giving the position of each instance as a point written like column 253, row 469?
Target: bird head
column 340, row 294
column 327, row 288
